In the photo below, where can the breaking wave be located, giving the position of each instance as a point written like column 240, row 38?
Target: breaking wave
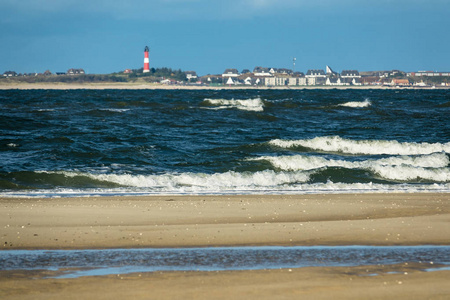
column 223, row 142
column 336, row 144
column 118, row 110
column 256, row 104
column 356, row 104
column 306, row 162
column 304, row 188
column 432, row 167
column 199, row 181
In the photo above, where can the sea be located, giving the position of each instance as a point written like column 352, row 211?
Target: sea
column 71, row 143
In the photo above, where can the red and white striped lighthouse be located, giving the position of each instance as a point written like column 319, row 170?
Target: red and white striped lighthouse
column 146, row 60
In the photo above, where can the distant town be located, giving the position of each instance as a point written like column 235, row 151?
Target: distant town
column 259, row 76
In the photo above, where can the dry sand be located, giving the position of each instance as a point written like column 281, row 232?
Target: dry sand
column 185, row 221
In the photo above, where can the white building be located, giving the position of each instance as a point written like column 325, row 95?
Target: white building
column 230, row 81
column 316, row 80
column 350, row 74
column 343, row 81
column 276, row 81
column 330, row 71
column 75, row 71
column 335, row 81
column 230, row 73
column 292, row 81
column 191, row 75
column 296, row 81
column 429, row 73
column 262, row 72
column 315, row 74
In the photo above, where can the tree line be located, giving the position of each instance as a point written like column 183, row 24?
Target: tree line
column 156, row 74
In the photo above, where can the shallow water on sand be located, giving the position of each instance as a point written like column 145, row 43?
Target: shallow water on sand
column 77, row 263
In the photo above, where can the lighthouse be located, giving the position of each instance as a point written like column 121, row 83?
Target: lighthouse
column 146, row 60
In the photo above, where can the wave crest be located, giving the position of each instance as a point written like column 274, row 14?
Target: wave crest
column 256, row 104
column 356, row 104
column 337, row 144
column 404, row 168
column 199, row 181
column 306, row 162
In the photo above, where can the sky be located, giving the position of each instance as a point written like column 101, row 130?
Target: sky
column 209, row 36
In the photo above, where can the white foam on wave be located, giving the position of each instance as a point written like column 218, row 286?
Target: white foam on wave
column 115, row 109
column 306, row 162
column 408, row 173
column 301, row 188
column 356, row 104
column 432, row 167
column 201, row 181
column 370, row 147
column 256, row 104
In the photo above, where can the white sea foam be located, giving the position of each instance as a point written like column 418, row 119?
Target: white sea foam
column 293, row 176
column 301, row 188
column 303, row 162
column 356, row 104
column 269, row 181
column 256, row 104
column 370, row 147
column 115, row 109
column 435, row 160
column 408, row 173
column 200, row 181
column 306, row 162
column 432, row 167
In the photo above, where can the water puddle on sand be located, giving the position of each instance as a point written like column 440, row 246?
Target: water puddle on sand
column 78, row 263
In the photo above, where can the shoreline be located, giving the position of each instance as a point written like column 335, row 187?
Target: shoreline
column 150, row 86
column 209, row 221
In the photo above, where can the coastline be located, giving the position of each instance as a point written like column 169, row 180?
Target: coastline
column 150, row 86
column 208, row 221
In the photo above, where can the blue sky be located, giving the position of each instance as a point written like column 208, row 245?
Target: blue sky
column 208, row 36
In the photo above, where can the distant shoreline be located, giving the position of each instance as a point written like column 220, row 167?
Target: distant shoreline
column 140, row 86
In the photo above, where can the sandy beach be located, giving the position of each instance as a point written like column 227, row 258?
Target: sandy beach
column 208, row 221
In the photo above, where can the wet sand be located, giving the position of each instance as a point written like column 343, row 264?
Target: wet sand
column 206, row 221
column 306, row 283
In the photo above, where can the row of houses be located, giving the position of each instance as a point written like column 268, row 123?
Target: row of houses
column 285, row 77
column 428, row 74
column 75, row 72
column 46, row 73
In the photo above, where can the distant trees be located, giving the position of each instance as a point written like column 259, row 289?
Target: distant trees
column 155, row 75
column 71, row 78
column 169, row 73
column 158, row 73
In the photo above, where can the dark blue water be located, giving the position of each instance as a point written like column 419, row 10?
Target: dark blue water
column 122, row 261
column 102, row 142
